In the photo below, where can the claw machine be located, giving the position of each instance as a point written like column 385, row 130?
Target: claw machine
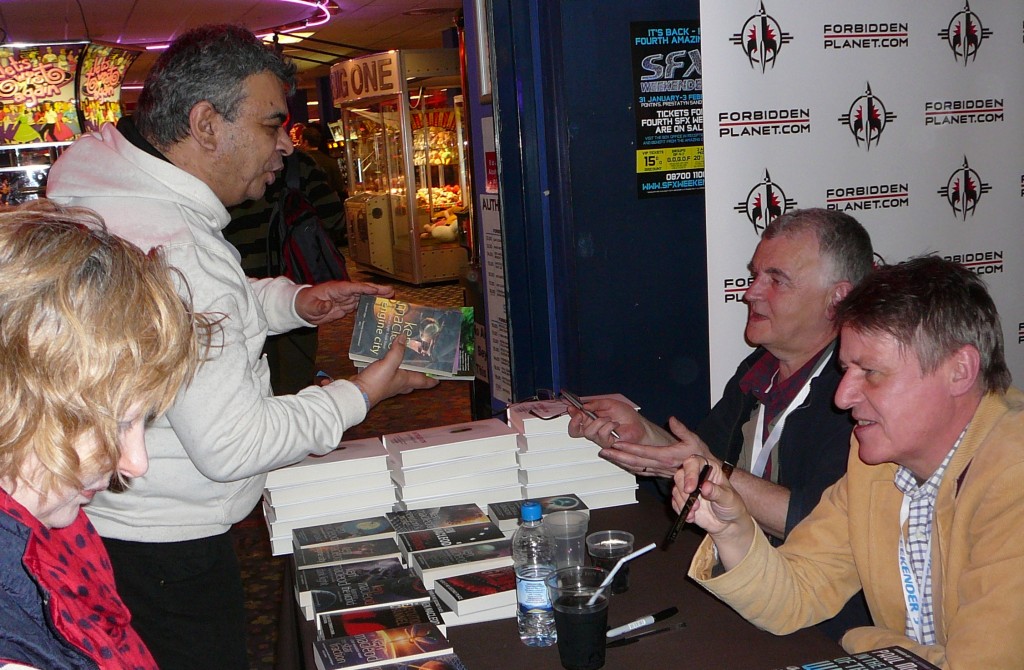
column 401, row 116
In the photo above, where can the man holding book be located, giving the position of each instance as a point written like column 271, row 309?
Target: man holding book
column 208, row 133
column 928, row 518
column 776, row 420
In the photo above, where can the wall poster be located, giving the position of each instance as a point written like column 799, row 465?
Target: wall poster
column 668, row 106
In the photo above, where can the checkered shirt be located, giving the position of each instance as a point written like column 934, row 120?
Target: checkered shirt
column 918, row 532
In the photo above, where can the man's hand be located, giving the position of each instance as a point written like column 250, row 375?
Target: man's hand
column 719, row 510
column 661, row 459
column 331, row 300
column 611, row 415
column 382, row 379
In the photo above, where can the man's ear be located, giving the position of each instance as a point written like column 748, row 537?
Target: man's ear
column 839, row 291
column 204, row 123
column 964, row 368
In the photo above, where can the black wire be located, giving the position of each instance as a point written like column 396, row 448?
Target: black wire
column 85, row 24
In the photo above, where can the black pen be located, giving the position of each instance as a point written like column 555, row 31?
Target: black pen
column 687, row 506
column 630, row 639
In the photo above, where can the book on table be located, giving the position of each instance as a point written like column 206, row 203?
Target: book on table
column 311, row 579
column 450, row 536
column 406, row 589
column 432, row 334
column 343, row 502
column 462, row 484
column 446, row 662
column 456, row 467
column 506, row 513
column 477, row 591
column 896, row 658
column 341, row 624
column 348, row 459
column 430, row 445
column 281, row 531
column 450, row 618
column 381, row 647
column 437, row 517
column 559, row 473
column 436, row 564
column 349, row 552
column 581, row 486
column 351, row 486
column 339, row 532
column 553, row 414
column 480, row 497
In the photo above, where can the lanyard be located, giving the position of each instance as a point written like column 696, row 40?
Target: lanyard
column 761, row 450
column 913, row 593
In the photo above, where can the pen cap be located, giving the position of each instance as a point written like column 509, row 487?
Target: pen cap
column 530, row 511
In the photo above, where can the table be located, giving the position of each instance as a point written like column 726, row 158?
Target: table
column 715, row 637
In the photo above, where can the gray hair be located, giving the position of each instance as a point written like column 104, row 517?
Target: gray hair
column 842, row 240
column 932, row 306
column 207, row 63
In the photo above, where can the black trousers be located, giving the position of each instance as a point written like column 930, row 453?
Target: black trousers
column 186, row 600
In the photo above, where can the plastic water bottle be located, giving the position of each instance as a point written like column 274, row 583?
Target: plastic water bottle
column 533, row 557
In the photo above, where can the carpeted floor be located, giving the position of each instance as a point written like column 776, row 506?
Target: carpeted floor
column 449, row 402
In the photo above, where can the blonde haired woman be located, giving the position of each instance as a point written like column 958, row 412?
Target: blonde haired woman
column 94, row 341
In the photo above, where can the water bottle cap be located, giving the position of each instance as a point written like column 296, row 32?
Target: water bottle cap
column 530, row 511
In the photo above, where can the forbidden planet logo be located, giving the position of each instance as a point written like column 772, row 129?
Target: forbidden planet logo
column 761, row 39
column 964, row 35
column 867, row 119
column 963, row 190
column 765, row 202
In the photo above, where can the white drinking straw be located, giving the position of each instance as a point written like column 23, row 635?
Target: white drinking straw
column 611, row 574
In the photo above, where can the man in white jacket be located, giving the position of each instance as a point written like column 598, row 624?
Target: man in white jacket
column 209, row 133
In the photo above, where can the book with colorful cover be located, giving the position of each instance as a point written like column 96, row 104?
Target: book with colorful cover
column 895, row 658
column 450, row 561
column 381, row 647
column 477, row 591
column 373, row 528
column 342, row 624
column 432, row 334
column 430, row 445
column 436, row 517
column 349, row 552
column 446, row 662
column 312, row 579
column 435, row 538
column 506, row 514
column 404, row 590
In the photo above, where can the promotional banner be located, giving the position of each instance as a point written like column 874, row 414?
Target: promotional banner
column 99, row 83
column 906, row 115
column 667, row 90
column 37, row 93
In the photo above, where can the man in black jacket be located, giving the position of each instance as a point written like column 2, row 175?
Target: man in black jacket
column 776, row 420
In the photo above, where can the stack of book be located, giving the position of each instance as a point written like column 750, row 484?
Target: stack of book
column 472, row 462
column 552, row 463
column 506, row 514
column 351, row 482
column 452, row 546
column 392, row 647
column 439, row 340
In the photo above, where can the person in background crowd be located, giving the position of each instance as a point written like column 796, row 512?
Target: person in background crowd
column 78, row 385
column 208, row 133
column 311, row 141
column 929, row 516
column 776, row 420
